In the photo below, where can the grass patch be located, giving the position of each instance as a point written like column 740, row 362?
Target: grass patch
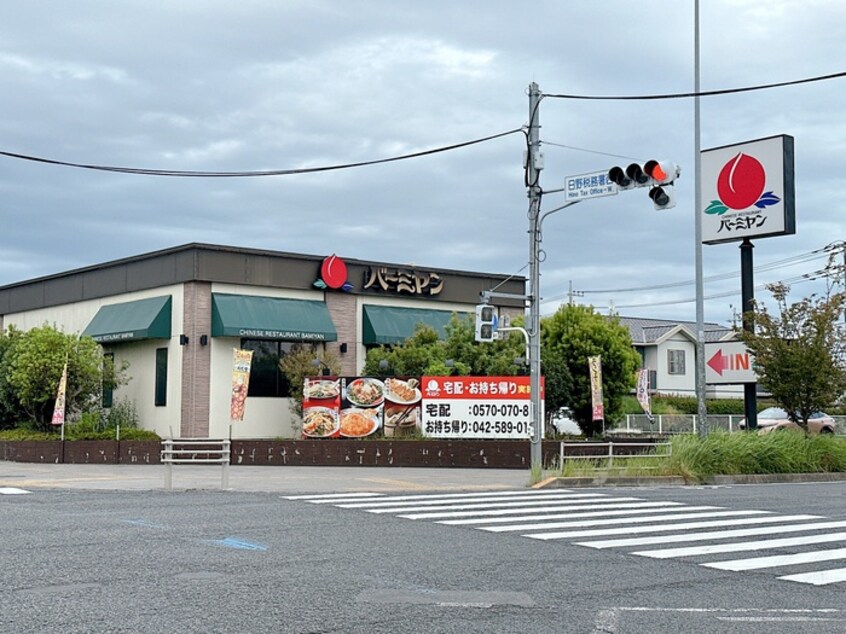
column 723, row 453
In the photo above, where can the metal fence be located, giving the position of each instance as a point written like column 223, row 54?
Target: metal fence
column 687, row 423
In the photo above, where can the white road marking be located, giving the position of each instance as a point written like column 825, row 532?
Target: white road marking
column 627, row 530
column 441, row 498
column 697, row 537
column 328, row 498
column 761, row 544
column 12, row 491
column 775, row 561
column 819, row 578
column 627, row 509
column 617, row 521
column 577, row 505
column 470, row 503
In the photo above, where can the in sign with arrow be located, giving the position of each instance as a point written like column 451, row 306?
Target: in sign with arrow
column 728, row 362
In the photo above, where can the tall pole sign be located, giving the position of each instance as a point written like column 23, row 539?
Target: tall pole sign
column 747, row 191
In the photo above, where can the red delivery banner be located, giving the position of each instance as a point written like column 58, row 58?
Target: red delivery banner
column 477, row 407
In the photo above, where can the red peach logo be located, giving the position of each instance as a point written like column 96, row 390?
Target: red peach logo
column 740, row 185
column 333, row 274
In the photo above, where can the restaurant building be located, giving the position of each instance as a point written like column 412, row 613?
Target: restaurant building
column 177, row 314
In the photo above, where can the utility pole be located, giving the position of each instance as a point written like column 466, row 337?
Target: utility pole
column 534, row 164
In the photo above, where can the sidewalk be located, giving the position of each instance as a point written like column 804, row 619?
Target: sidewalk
column 23, row 475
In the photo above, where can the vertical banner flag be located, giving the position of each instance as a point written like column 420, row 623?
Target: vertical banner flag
column 59, row 409
column 643, row 391
column 595, row 364
column 241, row 361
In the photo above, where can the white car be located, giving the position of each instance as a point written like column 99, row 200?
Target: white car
column 564, row 423
column 774, row 418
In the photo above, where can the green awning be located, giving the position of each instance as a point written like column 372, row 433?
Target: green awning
column 271, row 318
column 131, row 321
column 391, row 324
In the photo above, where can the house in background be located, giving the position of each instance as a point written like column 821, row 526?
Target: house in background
column 668, row 350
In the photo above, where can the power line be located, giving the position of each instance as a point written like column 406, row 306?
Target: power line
column 245, row 174
column 769, row 266
column 705, row 93
column 800, row 279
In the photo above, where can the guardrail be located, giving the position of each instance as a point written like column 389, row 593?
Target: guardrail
column 587, row 451
column 195, row 451
column 666, row 424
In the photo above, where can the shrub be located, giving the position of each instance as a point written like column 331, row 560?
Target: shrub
column 722, row 453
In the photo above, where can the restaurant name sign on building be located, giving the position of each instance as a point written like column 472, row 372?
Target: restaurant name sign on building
column 407, row 281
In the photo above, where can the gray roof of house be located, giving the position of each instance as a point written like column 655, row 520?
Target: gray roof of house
column 647, row 331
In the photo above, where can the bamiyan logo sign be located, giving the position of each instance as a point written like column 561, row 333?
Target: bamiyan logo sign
column 333, row 274
column 747, row 190
column 740, row 185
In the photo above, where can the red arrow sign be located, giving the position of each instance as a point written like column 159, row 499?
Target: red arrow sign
column 718, row 362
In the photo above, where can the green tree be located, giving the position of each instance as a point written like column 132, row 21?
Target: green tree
column 558, row 383
column 32, row 366
column 799, row 352
column 11, row 411
column 304, row 360
column 575, row 333
column 425, row 354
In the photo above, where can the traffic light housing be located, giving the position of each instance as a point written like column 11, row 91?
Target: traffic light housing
column 662, row 175
column 657, row 175
column 486, row 323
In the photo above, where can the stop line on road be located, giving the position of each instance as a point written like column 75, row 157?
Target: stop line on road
column 606, row 521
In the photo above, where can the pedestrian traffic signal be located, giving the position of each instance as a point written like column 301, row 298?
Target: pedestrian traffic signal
column 486, row 323
column 657, row 175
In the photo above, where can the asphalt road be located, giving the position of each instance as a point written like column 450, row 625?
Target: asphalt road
column 83, row 560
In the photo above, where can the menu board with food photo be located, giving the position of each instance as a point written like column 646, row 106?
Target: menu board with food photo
column 362, row 406
column 402, row 406
column 321, row 403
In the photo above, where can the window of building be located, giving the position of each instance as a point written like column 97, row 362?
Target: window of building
column 108, row 378
column 266, row 377
column 161, row 376
column 675, row 362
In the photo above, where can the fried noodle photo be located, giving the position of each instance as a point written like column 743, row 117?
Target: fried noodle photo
column 319, row 422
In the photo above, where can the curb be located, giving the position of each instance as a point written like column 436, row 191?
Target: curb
column 609, row 481
column 601, row 480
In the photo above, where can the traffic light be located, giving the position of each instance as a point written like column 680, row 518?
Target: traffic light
column 486, row 323
column 662, row 174
column 632, row 176
column 657, row 175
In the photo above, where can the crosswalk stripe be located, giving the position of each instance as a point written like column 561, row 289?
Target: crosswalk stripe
column 439, row 498
column 617, row 521
column 390, row 505
column 761, row 544
column 331, row 497
column 579, row 505
column 669, row 527
column 774, row 561
column 459, row 507
column 818, row 578
column 619, row 510
column 695, row 537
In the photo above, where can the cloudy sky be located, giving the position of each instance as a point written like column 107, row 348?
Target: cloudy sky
column 207, row 85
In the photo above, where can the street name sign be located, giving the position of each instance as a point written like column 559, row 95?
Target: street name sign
column 593, row 185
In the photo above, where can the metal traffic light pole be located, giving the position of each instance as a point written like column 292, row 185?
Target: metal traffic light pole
column 658, row 175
